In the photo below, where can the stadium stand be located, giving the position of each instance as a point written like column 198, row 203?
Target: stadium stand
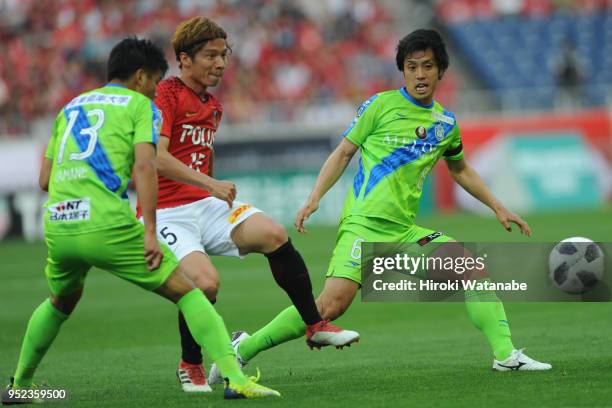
column 534, row 49
column 294, row 51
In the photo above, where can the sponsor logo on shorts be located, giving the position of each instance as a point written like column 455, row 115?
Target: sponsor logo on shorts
column 70, row 210
column 238, row 212
column 425, row 240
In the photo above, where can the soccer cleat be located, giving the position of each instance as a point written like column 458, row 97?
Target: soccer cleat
column 8, row 398
column 192, row 377
column 249, row 390
column 519, row 362
column 324, row 333
column 214, row 376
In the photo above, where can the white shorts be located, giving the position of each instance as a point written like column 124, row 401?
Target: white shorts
column 203, row 226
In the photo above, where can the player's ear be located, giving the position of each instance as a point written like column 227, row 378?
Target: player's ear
column 140, row 77
column 184, row 60
column 440, row 74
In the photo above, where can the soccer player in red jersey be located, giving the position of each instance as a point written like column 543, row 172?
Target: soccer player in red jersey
column 197, row 215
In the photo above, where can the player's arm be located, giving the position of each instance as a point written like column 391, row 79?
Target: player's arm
column 45, row 174
column 211, row 163
column 146, row 188
column 331, row 171
column 172, row 168
column 470, row 181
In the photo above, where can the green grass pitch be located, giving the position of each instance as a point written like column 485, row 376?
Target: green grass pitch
column 120, row 347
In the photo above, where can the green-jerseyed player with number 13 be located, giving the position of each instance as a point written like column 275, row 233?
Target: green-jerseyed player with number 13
column 99, row 138
column 401, row 135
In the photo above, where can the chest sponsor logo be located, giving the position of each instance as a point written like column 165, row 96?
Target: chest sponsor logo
column 421, row 132
column 199, row 136
column 78, row 209
column 238, row 212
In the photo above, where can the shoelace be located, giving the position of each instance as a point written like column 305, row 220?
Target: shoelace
column 519, row 354
column 256, row 377
column 330, row 327
column 196, row 373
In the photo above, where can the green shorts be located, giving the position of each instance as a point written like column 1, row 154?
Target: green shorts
column 346, row 258
column 117, row 250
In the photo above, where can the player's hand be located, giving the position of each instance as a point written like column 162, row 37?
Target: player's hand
column 224, row 190
column 506, row 217
column 310, row 207
column 153, row 253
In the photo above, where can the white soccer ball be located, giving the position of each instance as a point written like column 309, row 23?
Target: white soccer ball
column 576, row 264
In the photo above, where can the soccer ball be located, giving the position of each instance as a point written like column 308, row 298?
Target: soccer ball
column 576, row 264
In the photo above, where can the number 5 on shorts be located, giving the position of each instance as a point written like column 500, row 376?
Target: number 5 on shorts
column 168, row 236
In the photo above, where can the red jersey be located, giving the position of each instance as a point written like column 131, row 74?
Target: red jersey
column 190, row 121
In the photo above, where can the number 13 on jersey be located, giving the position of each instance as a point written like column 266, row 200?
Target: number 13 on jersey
column 91, row 131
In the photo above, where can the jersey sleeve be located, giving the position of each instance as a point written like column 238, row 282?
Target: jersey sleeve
column 166, row 101
column 50, row 152
column 364, row 123
column 454, row 151
column 147, row 122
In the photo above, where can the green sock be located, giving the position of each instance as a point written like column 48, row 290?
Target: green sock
column 287, row 325
column 209, row 331
column 487, row 313
column 44, row 325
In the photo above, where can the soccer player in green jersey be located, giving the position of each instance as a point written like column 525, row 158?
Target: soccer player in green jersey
column 401, row 134
column 99, row 140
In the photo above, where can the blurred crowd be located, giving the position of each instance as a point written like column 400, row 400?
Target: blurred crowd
column 463, row 10
column 288, row 55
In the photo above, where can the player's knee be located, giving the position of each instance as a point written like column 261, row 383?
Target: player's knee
column 275, row 236
column 209, row 285
column 176, row 286
column 66, row 304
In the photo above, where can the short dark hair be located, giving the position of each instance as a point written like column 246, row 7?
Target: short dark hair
column 420, row 40
column 132, row 54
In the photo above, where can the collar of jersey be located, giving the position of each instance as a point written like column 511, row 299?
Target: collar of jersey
column 117, row 85
column 404, row 92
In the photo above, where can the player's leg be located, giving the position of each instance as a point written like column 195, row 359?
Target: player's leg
column 484, row 308
column 288, row 325
column 343, row 281
column 208, row 328
column 178, row 227
column 333, row 301
column 123, row 256
column 260, row 233
column 65, row 277
column 244, row 229
column 199, row 269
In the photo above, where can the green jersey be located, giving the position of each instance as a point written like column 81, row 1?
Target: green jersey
column 92, row 148
column 400, row 141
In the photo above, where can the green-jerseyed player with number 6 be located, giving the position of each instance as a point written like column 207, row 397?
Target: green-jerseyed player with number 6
column 401, row 134
column 99, row 140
